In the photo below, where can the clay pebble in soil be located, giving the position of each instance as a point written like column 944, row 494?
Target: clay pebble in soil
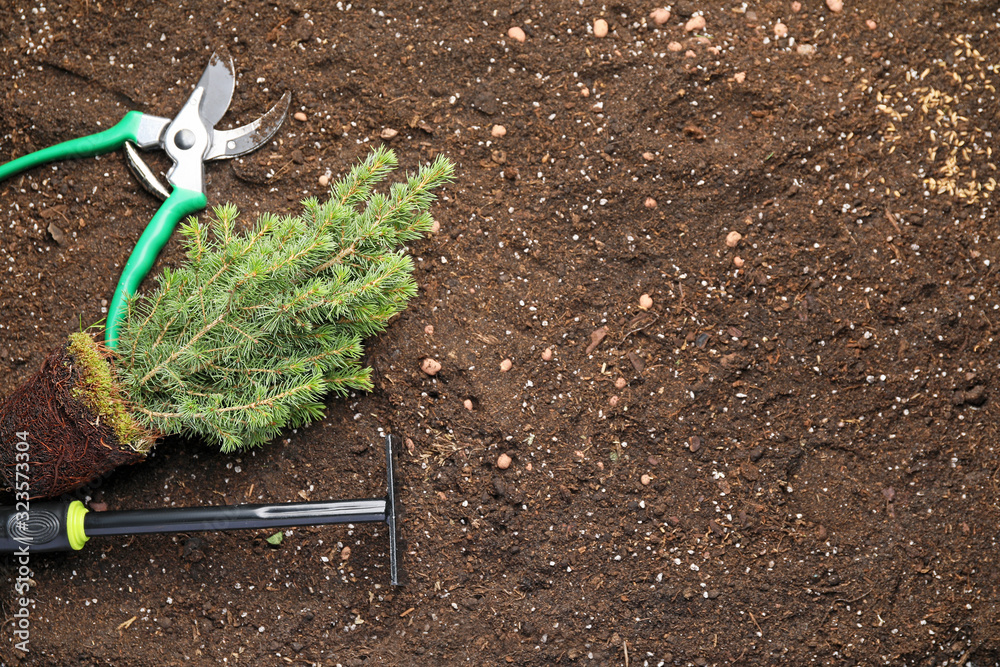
column 738, row 262
column 498, row 131
column 430, row 366
column 58, row 235
column 517, row 34
column 429, row 329
column 695, row 23
column 660, row 15
column 300, row 116
column 650, row 202
column 871, row 24
column 621, row 383
column 835, row 6
column 733, row 239
column 780, row 30
column 547, row 354
column 796, row 6
column 324, row 180
column 740, row 77
column 506, row 365
column 467, row 403
column 600, row 28
column 645, row 302
column 503, row 461
column 645, row 480
column 388, row 133
column 675, row 47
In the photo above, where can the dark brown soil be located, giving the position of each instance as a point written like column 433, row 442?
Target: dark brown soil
column 817, row 429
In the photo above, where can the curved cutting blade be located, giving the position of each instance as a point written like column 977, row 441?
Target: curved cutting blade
column 218, row 81
column 242, row 140
column 142, row 172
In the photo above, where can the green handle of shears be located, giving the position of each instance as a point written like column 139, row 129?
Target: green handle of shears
column 95, row 144
column 181, row 203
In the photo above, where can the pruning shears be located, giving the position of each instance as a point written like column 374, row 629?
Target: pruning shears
column 190, row 139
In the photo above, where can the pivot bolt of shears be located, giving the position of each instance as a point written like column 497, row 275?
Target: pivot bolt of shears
column 184, row 139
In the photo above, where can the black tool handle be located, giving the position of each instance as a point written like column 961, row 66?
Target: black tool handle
column 43, row 527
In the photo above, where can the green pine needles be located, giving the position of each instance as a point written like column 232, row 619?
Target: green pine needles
column 248, row 336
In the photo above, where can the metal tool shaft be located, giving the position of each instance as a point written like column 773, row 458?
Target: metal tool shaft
column 234, row 517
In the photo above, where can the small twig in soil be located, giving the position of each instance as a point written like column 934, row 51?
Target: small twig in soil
column 281, row 170
column 841, row 600
column 639, row 328
column 892, row 220
column 125, row 625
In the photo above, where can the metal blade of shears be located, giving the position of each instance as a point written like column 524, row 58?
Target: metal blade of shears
column 218, row 82
column 241, row 140
column 143, row 173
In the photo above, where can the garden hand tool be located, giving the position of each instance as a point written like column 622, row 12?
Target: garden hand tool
column 33, row 527
column 190, row 139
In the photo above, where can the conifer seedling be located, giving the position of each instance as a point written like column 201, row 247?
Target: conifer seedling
column 245, row 339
